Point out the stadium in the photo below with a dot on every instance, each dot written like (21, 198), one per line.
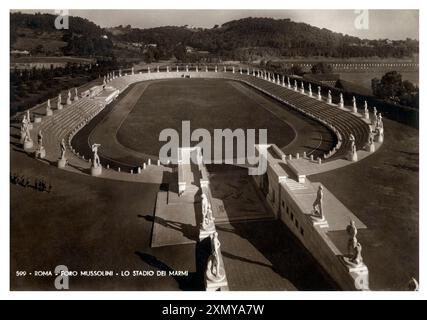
(335, 168)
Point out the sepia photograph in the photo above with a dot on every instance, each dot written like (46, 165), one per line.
(214, 150)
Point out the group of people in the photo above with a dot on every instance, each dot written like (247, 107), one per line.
(39, 184)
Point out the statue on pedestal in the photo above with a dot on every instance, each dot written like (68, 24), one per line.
(366, 111)
(329, 97)
(69, 97)
(215, 271)
(318, 204)
(58, 103)
(341, 104)
(352, 153)
(310, 93)
(96, 168)
(96, 162)
(354, 105)
(63, 149)
(62, 162)
(40, 152)
(302, 87)
(295, 85)
(76, 94)
(354, 248)
(49, 111)
(319, 93)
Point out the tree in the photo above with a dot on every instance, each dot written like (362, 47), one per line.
(321, 67)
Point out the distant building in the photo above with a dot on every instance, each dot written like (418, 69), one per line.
(329, 79)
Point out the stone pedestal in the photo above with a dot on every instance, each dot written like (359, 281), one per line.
(49, 112)
(62, 163)
(329, 101)
(28, 144)
(40, 153)
(380, 138)
(59, 106)
(352, 156)
(95, 171)
(341, 105)
(372, 147)
(318, 221)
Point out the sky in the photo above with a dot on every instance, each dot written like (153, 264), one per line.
(390, 24)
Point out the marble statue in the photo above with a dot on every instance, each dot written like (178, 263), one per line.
(289, 82)
(371, 139)
(318, 203)
(216, 68)
(366, 111)
(354, 105)
(177, 69)
(302, 87)
(76, 94)
(133, 70)
(59, 102)
(23, 128)
(40, 138)
(295, 85)
(329, 97)
(167, 68)
(341, 104)
(352, 154)
(352, 240)
(310, 93)
(69, 97)
(206, 69)
(49, 111)
(215, 271)
(205, 204)
(62, 162)
(96, 168)
(40, 152)
(63, 149)
(186, 68)
(379, 121)
(148, 70)
(319, 93)
(357, 257)
(28, 142)
(96, 162)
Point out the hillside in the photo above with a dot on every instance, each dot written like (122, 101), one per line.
(245, 39)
